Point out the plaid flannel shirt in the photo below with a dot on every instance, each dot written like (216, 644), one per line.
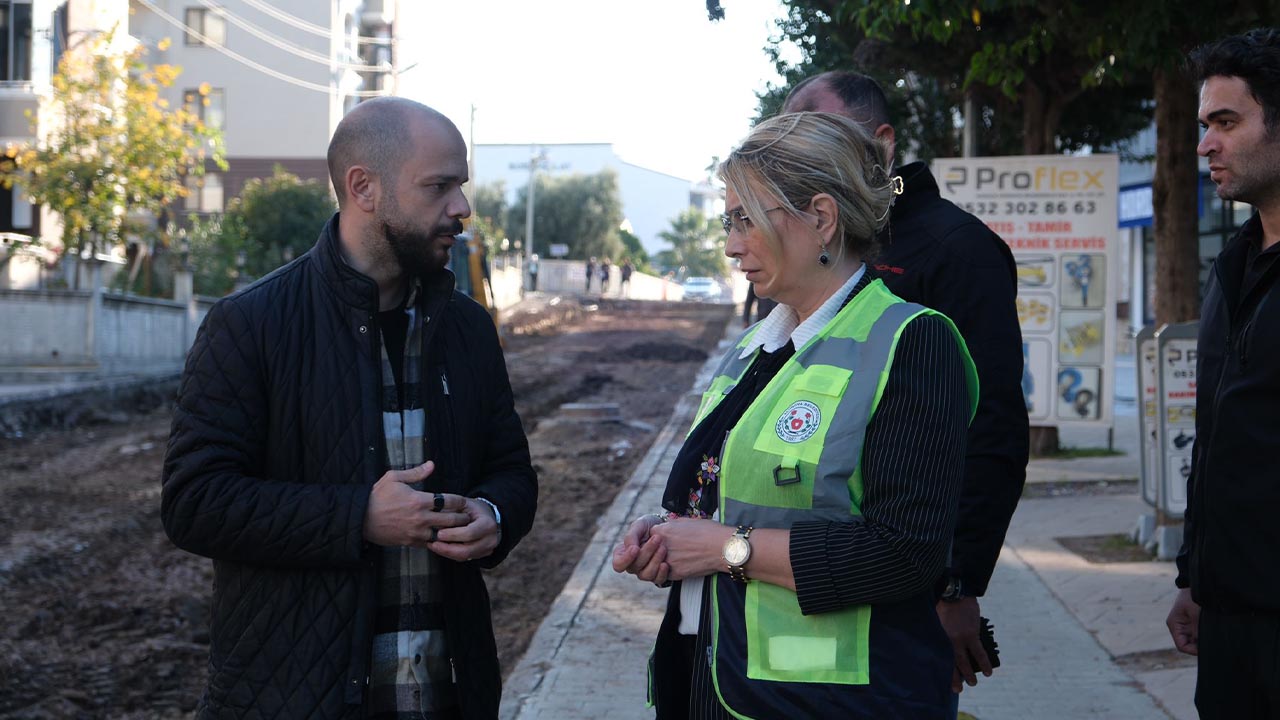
(411, 672)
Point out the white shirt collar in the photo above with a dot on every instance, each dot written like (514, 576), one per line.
(783, 323)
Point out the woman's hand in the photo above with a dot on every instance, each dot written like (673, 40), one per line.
(642, 553)
(692, 547)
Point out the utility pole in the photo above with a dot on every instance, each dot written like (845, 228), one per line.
(537, 159)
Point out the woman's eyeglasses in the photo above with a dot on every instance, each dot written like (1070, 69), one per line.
(736, 219)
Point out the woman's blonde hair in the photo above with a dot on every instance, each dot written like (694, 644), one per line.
(788, 159)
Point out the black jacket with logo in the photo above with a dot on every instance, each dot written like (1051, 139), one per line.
(1231, 546)
(277, 440)
(940, 256)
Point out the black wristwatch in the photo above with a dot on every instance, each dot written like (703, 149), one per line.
(954, 590)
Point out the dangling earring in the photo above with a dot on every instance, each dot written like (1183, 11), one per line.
(824, 259)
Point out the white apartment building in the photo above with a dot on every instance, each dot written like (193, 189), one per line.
(280, 74)
(650, 199)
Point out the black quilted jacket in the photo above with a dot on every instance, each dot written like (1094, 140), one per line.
(276, 442)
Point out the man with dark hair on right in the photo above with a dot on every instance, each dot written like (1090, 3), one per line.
(1227, 610)
(940, 256)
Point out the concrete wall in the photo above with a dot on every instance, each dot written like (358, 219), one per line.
(44, 327)
(102, 332)
(95, 331)
(570, 276)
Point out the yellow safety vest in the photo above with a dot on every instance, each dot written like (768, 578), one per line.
(795, 455)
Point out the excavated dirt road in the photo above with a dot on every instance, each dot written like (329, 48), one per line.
(104, 618)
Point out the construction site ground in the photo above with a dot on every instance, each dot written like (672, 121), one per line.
(105, 618)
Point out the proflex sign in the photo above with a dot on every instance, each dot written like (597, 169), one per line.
(1058, 216)
(1043, 178)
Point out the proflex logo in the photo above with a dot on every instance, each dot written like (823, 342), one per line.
(1043, 177)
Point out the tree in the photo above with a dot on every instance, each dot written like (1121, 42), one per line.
(273, 220)
(634, 249)
(581, 211)
(113, 145)
(1156, 40)
(490, 202)
(489, 208)
(1037, 88)
(697, 245)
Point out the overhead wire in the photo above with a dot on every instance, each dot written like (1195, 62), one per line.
(252, 64)
(308, 26)
(288, 47)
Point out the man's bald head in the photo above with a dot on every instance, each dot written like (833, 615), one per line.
(377, 135)
(851, 94)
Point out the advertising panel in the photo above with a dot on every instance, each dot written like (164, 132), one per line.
(1058, 215)
(1176, 408)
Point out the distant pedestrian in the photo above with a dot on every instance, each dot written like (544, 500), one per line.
(605, 270)
(1228, 607)
(591, 272)
(533, 272)
(346, 450)
(624, 286)
(940, 256)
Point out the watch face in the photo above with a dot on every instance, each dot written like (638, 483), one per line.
(737, 550)
(952, 591)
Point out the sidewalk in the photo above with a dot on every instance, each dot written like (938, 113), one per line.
(1061, 621)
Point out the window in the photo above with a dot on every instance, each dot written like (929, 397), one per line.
(207, 22)
(15, 41)
(204, 193)
(210, 105)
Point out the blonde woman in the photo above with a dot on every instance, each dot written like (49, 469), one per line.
(807, 516)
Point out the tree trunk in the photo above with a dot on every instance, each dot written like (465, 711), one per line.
(1041, 116)
(1033, 119)
(1173, 199)
(1044, 439)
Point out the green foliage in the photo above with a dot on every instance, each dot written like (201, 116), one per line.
(581, 211)
(697, 245)
(273, 220)
(116, 146)
(929, 54)
(489, 233)
(213, 255)
(489, 201)
(634, 249)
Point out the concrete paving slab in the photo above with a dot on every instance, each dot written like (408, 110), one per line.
(1051, 666)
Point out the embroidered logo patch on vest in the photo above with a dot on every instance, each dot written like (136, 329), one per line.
(798, 422)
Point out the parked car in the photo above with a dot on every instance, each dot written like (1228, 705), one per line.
(701, 289)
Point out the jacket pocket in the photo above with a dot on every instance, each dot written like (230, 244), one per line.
(786, 646)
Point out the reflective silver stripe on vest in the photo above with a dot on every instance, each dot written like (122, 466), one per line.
(731, 364)
(842, 449)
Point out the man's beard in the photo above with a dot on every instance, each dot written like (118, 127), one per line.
(419, 253)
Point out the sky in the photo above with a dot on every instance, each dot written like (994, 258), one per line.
(656, 78)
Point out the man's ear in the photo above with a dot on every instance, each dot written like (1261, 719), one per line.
(824, 207)
(887, 135)
(362, 188)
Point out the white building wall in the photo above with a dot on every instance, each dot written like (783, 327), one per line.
(650, 199)
(265, 115)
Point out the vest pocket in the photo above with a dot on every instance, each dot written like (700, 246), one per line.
(799, 419)
(786, 646)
